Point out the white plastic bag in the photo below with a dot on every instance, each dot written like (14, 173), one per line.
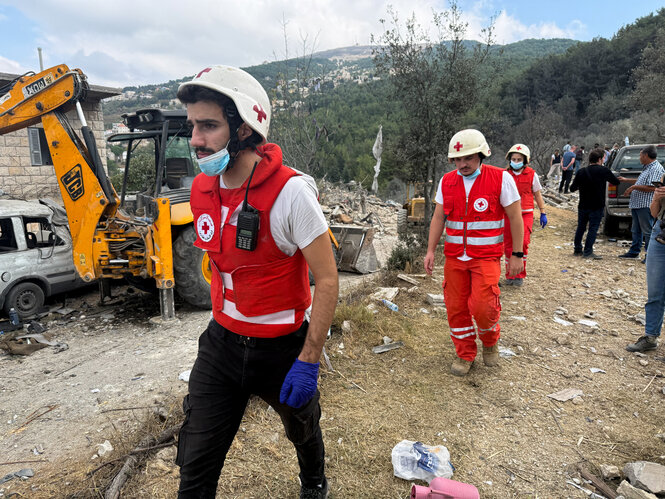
(417, 461)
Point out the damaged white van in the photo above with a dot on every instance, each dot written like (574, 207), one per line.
(35, 255)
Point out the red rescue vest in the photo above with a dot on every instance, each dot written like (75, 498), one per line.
(524, 183)
(262, 293)
(474, 224)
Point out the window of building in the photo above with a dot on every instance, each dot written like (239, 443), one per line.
(39, 152)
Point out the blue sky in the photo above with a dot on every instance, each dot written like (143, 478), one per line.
(137, 42)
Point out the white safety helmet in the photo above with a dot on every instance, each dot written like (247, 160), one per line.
(466, 142)
(242, 88)
(522, 149)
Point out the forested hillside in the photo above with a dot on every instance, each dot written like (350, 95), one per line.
(329, 106)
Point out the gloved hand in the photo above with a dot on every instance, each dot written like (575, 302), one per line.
(543, 220)
(300, 384)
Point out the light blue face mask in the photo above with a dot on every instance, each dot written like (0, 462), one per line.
(215, 164)
(470, 176)
(516, 166)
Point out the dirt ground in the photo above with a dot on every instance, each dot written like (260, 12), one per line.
(504, 434)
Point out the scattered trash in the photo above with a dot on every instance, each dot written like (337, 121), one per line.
(585, 322)
(641, 318)
(184, 376)
(561, 321)
(408, 279)
(424, 311)
(589, 493)
(390, 305)
(566, 394)
(24, 473)
(596, 370)
(518, 317)
(385, 294)
(387, 347)
(95, 390)
(444, 487)
(346, 326)
(564, 270)
(105, 448)
(417, 461)
(506, 353)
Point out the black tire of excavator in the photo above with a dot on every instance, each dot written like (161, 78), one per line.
(401, 222)
(190, 284)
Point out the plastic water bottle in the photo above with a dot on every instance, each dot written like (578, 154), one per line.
(13, 317)
(390, 305)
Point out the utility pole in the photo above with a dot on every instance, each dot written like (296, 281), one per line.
(41, 63)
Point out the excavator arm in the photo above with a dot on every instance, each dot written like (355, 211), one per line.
(107, 243)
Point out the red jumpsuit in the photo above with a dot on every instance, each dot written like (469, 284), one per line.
(474, 229)
(524, 183)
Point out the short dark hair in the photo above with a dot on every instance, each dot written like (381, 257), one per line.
(650, 151)
(595, 155)
(190, 94)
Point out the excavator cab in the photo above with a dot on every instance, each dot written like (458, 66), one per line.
(162, 139)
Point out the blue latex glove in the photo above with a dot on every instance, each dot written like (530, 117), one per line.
(543, 220)
(300, 384)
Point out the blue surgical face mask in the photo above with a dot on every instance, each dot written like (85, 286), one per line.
(215, 164)
(470, 176)
(516, 166)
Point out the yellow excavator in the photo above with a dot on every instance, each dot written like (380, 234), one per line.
(149, 238)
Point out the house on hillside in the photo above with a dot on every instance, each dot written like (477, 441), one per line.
(26, 169)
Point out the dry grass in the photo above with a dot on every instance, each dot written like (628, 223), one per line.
(504, 434)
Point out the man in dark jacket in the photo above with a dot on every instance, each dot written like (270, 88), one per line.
(591, 183)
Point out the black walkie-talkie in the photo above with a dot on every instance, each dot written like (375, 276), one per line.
(247, 227)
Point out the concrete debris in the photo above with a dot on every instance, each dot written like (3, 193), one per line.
(566, 394)
(591, 314)
(646, 475)
(630, 492)
(561, 311)
(578, 400)
(408, 279)
(643, 362)
(561, 321)
(607, 293)
(641, 318)
(388, 347)
(385, 294)
(435, 299)
(609, 471)
(585, 322)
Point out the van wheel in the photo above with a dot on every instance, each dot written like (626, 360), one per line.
(191, 269)
(27, 298)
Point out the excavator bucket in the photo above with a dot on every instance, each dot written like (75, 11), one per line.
(354, 251)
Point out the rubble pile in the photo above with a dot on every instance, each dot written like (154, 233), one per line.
(351, 204)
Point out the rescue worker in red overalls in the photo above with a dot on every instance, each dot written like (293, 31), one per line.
(528, 185)
(262, 227)
(471, 201)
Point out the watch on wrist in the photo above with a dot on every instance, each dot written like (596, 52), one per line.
(518, 254)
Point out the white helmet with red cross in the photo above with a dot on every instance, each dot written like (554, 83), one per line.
(242, 88)
(466, 142)
(522, 149)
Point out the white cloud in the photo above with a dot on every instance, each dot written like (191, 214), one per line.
(135, 42)
(12, 67)
(509, 29)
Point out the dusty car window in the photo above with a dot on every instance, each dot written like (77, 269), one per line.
(39, 233)
(7, 239)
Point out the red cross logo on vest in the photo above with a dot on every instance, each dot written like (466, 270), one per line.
(206, 70)
(260, 113)
(458, 146)
(205, 227)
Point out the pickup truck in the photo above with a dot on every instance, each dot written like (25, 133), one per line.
(626, 164)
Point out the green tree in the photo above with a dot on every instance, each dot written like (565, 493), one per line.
(434, 83)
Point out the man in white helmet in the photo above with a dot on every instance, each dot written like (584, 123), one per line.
(472, 201)
(262, 226)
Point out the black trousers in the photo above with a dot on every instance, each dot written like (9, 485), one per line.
(566, 177)
(228, 369)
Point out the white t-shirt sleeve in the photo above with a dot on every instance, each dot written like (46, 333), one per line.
(296, 218)
(535, 185)
(509, 192)
(439, 197)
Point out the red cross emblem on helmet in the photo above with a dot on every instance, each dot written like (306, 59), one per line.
(519, 148)
(206, 70)
(458, 146)
(260, 113)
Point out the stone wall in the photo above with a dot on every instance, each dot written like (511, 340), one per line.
(20, 180)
